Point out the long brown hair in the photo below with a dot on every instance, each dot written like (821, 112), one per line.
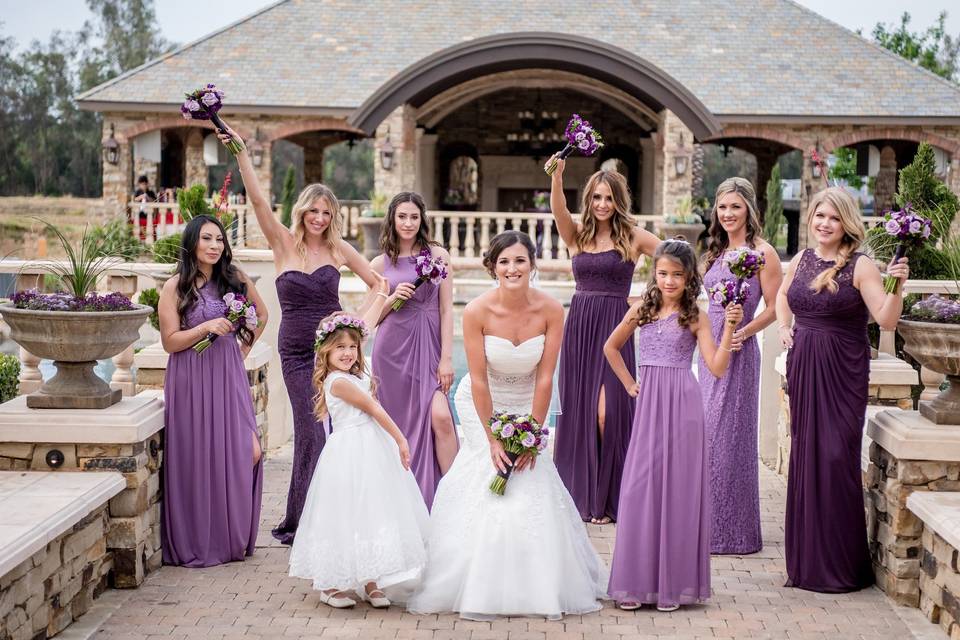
(390, 239)
(331, 235)
(322, 369)
(852, 234)
(621, 224)
(719, 241)
(681, 252)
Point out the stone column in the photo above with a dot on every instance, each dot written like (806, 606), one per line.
(426, 178)
(400, 128)
(646, 202)
(195, 171)
(677, 140)
(809, 185)
(766, 159)
(117, 178)
(886, 183)
(313, 160)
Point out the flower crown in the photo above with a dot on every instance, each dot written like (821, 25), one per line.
(343, 321)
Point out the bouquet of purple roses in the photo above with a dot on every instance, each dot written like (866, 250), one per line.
(239, 309)
(203, 104)
(519, 434)
(909, 230)
(427, 268)
(580, 137)
(726, 292)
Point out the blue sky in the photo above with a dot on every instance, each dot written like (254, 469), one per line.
(183, 21)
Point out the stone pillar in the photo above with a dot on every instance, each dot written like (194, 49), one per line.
(313, 160)
(195, 170)
(124, 438)
(766, 159)
(809, 185)
(400, 127)
(117, 178)
(265, 172)
(648, 168)
(886, 183)
(677, 140)
(426, 178)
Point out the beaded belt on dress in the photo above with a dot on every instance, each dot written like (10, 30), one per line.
(505, 379)
(600, 294)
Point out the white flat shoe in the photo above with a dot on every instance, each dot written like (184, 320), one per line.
(668, 607)
(377, 602)
(337, 602)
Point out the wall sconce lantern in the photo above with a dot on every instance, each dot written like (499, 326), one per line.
(386, 153)
(256, 150)
(111, 148)
(681, 159)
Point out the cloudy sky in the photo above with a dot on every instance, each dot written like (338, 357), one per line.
(183, 21)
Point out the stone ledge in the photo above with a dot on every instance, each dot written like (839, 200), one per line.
(38, 507)
(939, 511)
(884, 370)
(154, 357)
(133, 419)
(909, 436)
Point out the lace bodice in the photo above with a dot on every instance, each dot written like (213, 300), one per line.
(209, 305)
(664, 343)
(344, 415)
(843, 311)
(511, 372)
(603, 273)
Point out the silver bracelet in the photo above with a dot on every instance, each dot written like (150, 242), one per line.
(381, 293)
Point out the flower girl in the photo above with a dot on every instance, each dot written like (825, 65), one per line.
(662, 550)
(364, 521)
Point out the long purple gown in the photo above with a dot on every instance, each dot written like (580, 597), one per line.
(305, 299)
(731, 406)
(590, 469)
(406, 355)
(662, 551)
(828, 371)
(211, 489)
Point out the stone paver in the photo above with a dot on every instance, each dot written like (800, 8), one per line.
(256, 599)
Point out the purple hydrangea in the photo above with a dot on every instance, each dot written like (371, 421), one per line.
(33, 299)
(936, 309)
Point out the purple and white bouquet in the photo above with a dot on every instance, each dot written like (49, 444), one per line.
(239, 311)
(580, 137)
(743, 264)
(909, 230)
(726, 292)
(203, 104)
(427, 268)
(519, 434)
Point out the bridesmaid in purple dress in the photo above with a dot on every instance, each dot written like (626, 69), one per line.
(593, 429)
(662, 551)
(731, 403)
(823, 307)
(413, 349)
(212, 476)
(308, 257)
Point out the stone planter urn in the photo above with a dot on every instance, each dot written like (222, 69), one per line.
(689, 231)
(74, 340)
(936, 345)
(370, 232)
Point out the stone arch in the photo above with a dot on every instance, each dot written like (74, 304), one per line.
(314, 124)
(891, 133)
(425, 78)
(170, 122)
(785, 138)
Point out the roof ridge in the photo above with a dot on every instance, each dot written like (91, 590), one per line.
(149, 63)
(874, 45)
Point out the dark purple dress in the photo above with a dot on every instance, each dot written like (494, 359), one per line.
(211, 489)
(731, 404)
(828, 372)
(590, 470)
(305, 299)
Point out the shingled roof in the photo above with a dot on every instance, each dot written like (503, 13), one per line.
(739, 57)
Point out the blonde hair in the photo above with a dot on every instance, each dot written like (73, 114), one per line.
(322, 369)
(719, 241)
(621, 224)
(332, 234)
(853, 234)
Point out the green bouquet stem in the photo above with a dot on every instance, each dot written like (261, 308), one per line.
(499, 484)
(234, 145)
(399, 302)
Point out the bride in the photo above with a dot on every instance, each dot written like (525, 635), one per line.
(526, 552)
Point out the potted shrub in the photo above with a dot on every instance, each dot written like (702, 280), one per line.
(75, 328)
(683, 222)
(370, 222)
(931, 334)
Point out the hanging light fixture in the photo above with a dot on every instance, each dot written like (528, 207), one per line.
(111, 148)
(256, 149)
(387, 152)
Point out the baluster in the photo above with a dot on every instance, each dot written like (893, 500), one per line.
(887, 342)
(240, 223)
(123, 377)
(562, 252)
(517, 220)
(437, 221)
(501, 224)
(548, 239)
(161, 216)
(484, 236)
(469, 244)
(30, 376)
(931, 381)
(454, 236)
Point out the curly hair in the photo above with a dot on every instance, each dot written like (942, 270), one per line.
(681, 252)
(322, 367)
(719, 241)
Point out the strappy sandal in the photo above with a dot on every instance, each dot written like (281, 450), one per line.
(629, 605)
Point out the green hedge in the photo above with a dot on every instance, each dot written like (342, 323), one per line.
(9, 377)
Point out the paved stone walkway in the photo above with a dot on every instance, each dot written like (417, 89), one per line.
(256, 599)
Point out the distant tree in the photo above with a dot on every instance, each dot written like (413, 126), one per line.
(845, 167)
(932, 49)
(288, 196)
(348, 170)
(773, 217)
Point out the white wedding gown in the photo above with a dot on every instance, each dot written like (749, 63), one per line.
(523, 553)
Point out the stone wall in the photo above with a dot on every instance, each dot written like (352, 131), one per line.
(940, 583)
(58, 584)
(133, 531)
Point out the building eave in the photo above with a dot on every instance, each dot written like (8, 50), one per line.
(162, 107)
(799, 119)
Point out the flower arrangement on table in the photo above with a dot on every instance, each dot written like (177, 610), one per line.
(582, 137)
(239, 311)
(427, 268)
(519, 434)
(203, 104)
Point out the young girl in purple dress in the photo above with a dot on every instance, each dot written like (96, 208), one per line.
(413, 351)
(662, 550)
(212, 473)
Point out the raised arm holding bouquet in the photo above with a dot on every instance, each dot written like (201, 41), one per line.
(203, 104)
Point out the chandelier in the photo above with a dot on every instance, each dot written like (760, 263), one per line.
(536, 129)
